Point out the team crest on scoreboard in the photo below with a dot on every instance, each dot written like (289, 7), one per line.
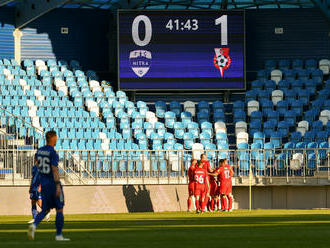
(222, 59)
(140, 61)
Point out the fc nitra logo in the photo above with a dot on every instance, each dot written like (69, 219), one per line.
(140, 61)
(221, 59)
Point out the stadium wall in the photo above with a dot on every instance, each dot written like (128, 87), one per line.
(6, 33)
(158, 198)
(305, 35)
(86, 40)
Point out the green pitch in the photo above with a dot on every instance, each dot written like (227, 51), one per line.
(239, 229)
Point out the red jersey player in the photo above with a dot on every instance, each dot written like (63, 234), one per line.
(202, 186)
(225, 172)
(191, 185)
(212, 188)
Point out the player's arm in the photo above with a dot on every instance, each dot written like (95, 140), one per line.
(231, 171)
(208, 186)
(57, 180)
(36, 163)
(214, 174)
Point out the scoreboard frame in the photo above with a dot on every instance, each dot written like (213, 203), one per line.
(203, 90)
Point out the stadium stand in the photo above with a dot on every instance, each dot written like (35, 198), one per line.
(287, 106)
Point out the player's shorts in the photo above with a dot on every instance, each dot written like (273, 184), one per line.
(225, 189)
(200, 191)
(49, 199)
(35, 196)
(213, 189)
(191, 188)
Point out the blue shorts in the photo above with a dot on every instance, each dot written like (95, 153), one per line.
(49, 199)
(35, 196)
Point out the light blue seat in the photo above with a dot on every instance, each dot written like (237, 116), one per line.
(207, 127)
(160, 109)
(186, 117)
(255, 149)
(276, 139)
(221, 137)
(259, 137)
(188, 140)
(170, 119)
(300, 147)
(205, 138)
(179, 130)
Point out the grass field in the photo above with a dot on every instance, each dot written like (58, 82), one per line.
(241, 229)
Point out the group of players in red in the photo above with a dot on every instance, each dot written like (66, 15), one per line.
(207, 185)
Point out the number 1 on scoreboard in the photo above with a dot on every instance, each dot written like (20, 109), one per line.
(224, 34)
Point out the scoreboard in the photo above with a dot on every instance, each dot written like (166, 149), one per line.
(181, 50)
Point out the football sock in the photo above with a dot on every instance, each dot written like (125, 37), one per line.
(230, 202)
(59, 222)
(39, 217)
(223, 203)
(212, 204)
(197, 204)
(189, 203)
(206, 200)
(34, 211)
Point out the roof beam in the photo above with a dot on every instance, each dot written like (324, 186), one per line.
(4, 2)
(29, 10)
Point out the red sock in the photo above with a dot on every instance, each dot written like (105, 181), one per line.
(189, 203)
(212, 204)
(204, 203)
(223, 203)
(197, 204)
(230, 202)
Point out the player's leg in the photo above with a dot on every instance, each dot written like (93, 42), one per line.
(204, 201)
(34, 208)
(191, 193)
(212, 203)
(223, 202)
(197, 202)
(230, 201)
(59, 222)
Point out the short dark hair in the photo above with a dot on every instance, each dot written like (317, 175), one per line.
(49, 135)
(203, 154)
(221, 161)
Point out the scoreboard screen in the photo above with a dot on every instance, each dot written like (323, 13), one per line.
(181, 50)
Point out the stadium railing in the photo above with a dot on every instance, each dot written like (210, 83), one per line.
(167, 166)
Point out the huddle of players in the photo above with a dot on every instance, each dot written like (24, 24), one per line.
(207, 185)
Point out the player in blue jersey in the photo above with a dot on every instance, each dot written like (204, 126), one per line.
(51, 189)
(34, 191)
(35, 195)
